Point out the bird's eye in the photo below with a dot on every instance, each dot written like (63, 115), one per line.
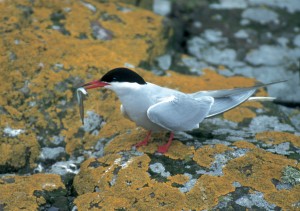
(114, 79)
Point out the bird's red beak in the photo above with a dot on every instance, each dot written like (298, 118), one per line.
(95, 84)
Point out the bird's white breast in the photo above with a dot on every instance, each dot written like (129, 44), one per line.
(136, 99)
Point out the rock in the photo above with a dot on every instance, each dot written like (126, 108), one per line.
(255, 199)
(32, 192)
(246, 158)
(12, 132)
(19, 152)
(227, 4)
(159, 169)
(164, 61)
(297, 41)
(261, 15)
(268, 55)
(52, 153)
(66, 167)
(162, 7)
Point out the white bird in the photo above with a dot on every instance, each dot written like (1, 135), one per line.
(157, 108)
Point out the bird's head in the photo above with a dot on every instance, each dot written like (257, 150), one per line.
(116, 76)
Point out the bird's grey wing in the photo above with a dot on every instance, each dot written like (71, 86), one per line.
(228, 98)
(180, 112)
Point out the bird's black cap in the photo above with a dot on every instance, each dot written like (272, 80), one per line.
(122, 74)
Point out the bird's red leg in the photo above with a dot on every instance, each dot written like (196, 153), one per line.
(145, 141)
(164, 148)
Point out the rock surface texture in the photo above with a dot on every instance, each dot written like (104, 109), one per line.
(246, 158)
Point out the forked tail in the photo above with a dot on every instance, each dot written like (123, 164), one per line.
(227, 99)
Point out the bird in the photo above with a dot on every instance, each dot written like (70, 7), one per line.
(156, 108)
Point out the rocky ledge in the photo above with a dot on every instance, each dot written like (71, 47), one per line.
(246, 158)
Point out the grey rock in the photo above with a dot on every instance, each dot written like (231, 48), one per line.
(296, 40)
(241, 34)
(89, 6)
(214, 36)
(66, 167)
(268, 55)
(291, 6)
(229, 4)
(266, 123)
(189, 184)
(255, 199)
(282, 149)
(291, 175)
(57, 140)
(10, 132)
(159, 169)
(162, 7)
(48, 153)
(260, 15)
(92, 123)
(164, 61)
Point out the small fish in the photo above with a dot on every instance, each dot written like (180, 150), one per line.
(81, 93)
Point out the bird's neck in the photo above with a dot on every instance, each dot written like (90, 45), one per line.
(125, 88)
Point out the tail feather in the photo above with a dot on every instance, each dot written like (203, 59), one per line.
(263, 99)
(227, 99)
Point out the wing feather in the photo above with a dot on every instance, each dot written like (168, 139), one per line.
(180, 112)
(227, 99)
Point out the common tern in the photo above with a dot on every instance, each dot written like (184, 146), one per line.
(157, 108)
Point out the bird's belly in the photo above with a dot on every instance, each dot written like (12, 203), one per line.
(138, 114)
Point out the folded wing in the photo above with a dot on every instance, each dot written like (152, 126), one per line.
(180, 112)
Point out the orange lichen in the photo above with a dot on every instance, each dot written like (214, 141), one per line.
(178, 179)
(286, 199)
(244, 145)
(13, 112)
(123, 141)
(96, 173)
(204, 156)
(206, 192)
(19, 192)
(34, 52)
(253, 104)
(16, 151)
(275, 137)
(180, 151)
(257, 169)
(39, 51)
(239, 114)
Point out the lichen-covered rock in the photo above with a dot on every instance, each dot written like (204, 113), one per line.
(246, 158)
(48, 48)
(133, 181)
(18, 153)
(223, 158)
(32, 192)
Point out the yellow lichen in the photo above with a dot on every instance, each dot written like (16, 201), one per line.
(178, 150)
(257, 168)
(244, 145)
(16, 152)
(285, 199)
(275, 137)
(33, 51)
(204, 156)
(96, 172)
(19, 193)
(253, 104)
(178, 179)
(239, 114)
(204, 195)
